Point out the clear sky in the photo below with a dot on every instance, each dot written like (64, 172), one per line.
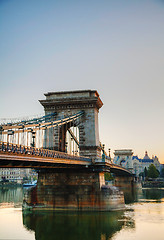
(113, 46)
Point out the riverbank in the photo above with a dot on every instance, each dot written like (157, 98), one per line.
(153, 184)
(10, 184)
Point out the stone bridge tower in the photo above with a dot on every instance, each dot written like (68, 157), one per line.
(68, 103)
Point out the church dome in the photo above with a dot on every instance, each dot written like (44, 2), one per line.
(146, 156)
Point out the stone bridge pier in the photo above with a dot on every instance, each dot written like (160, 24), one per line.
(124, 182)
(128, 186)
(81, 189)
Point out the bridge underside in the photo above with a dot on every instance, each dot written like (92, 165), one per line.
(36, 162)
(18, 161)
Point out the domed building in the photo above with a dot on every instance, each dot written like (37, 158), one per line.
(137, 165)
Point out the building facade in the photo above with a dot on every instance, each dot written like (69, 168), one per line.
(16, 174)
(137, 165)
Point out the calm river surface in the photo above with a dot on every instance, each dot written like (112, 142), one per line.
(143, 219)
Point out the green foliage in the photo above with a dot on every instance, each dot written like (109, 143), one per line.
(162, 173)
(35, 178)
(108, 177)
(145, 172)
(25, 178)
(152, 172)
(141, 174)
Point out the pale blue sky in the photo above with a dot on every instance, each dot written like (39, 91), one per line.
(115, 47)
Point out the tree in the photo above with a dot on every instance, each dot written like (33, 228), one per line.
(108, 177)
(152, 172)
(145, 172)
(141, 174)
(162, 173)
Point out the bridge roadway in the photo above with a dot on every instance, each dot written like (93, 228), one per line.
(13, 155)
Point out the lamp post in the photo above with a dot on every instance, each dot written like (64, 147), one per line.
(109, 153)
(9, 133)
(103, 155)
(33, 139)
(66, 146)
(1, 130)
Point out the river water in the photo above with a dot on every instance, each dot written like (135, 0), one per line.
(143, 219)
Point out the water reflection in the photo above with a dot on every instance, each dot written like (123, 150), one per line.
(130, 196)
(139, 221)
(11, 195)
(144, 194)
(153, 194)
(97, 226)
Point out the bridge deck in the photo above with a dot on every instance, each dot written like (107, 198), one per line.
(12, 155)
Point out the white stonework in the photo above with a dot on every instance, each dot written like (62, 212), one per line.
(123, 157)
(126, 159)
(140, 164)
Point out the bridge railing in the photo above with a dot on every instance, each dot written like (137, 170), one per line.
(123, 168)
(40, 152)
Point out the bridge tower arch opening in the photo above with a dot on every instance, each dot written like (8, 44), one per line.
(72, 140)
(68, 138)
(69, 103)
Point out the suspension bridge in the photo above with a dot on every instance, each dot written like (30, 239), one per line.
(63, 144)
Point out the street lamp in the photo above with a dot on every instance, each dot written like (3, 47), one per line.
(66, 145)
(109, 152)
(33, 139)
(103, 155)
